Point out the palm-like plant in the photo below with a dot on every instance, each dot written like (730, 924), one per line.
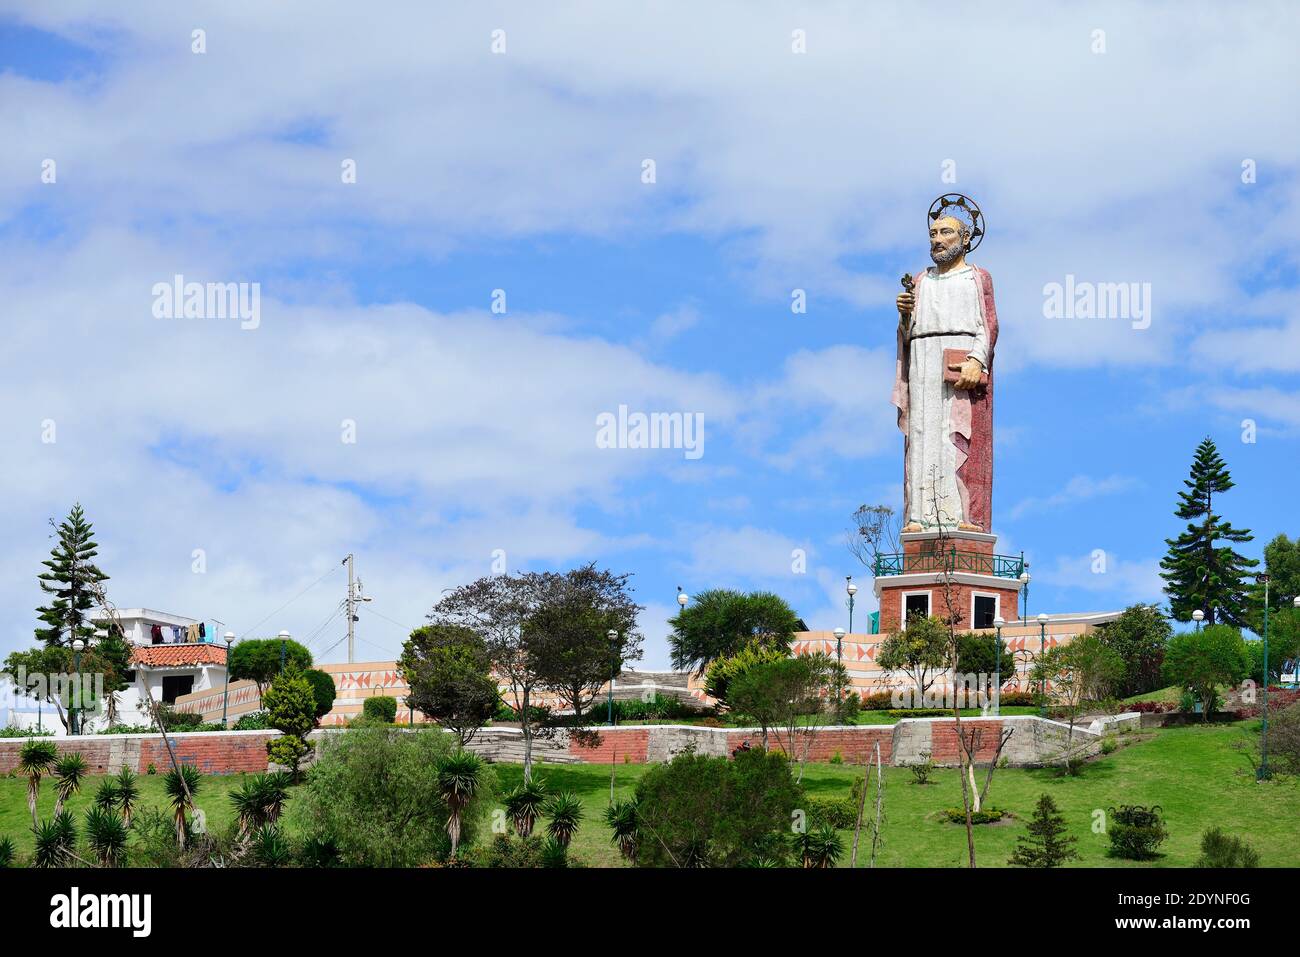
(622, 820)
(565, 813)
(819, 847)
(47, 849)
(459, 776)
(181, 784)
(259, 800)
(270, 848)
(275, 791)
(6, 852)
(106, 835)
(70, 771)
(524, 804)
(128, 791)
(35, 760)
(106, 795)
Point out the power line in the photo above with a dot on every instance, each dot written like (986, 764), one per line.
(288, 603)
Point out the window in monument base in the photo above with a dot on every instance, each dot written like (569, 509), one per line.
(915, 603)
(984, 608)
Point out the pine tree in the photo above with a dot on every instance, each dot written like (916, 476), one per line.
(1046, 844)
(70, 573)
(1199, 573)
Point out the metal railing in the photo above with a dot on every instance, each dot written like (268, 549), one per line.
(950, 560)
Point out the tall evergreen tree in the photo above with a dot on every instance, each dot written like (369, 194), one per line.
(1199, 571)
(71, 570)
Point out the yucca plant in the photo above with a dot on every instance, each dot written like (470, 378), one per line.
(48, 847)
(128, 792)
(459, 776)
(106, 835)
(7, 852)
(554, 854)
(106, 795)
(181, 784)
(564, 811)
(249, 803)
(69, 771)
(270, 848)
(524, 804)
(820, 847)
(275, 791)
(622, 819)
(35, 759)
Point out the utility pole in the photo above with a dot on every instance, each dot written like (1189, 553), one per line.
(354, 596)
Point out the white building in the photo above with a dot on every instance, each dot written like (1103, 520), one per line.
(172, 656)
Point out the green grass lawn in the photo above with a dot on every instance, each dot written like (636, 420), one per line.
(1192, 772)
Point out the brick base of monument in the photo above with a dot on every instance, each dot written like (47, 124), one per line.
(944, 574)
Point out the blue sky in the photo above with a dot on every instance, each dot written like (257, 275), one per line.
(1111, 161)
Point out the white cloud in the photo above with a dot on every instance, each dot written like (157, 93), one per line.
(1080, 488)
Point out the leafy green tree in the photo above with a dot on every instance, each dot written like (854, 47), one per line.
(373, 792)
(1199, 572)
(1077, 674)
(568, 635)
(722, 671)
(322, 686)
(70, 571)
(783, 694)
(1283, 645)
(35, 760)
(1046, 844)
(698, 811)
(1139, 637)
(720, 622)
(448, 669)
(1201, 661)
(258, 660)
(978, 655)
(291, 704)
(1282, 563)
(920, 651)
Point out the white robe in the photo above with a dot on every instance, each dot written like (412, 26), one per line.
(946, 303)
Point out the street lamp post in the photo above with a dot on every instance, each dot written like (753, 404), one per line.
(998, 622)
(1042, 652)
(284, 642)
(1198, 616)
(225, 694)
(76, 665)
(1295, 667)
(839, 666)
(612, 635)
(852, 589)
(1024, 602)
(1262, 774)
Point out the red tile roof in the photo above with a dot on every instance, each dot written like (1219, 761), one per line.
(177, 656)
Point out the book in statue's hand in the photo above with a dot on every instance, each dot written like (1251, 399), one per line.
(957, 357)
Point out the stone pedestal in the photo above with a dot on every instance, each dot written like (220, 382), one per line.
(982, 582)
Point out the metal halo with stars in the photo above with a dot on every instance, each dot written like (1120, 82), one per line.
(961, 201)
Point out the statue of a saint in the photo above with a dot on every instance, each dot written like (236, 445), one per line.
(945, 402)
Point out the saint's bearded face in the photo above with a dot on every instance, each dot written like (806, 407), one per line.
(948, 237)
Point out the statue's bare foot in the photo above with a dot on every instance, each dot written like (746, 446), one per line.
(912, 527)
(968, 527)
